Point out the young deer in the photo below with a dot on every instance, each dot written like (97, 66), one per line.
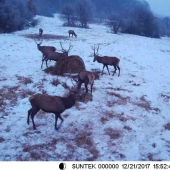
(55, 56)
(87, 78)
(106, 60)
(71, 32)
(40, 32)
(50, 104)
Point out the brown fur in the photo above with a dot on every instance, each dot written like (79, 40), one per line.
(86, 77)
(71, 32)
(50, 104)
(71, 64)
(40, 31)
(107, 60)
(55, 56)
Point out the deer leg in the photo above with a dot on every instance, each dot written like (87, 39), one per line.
(115, 70)
(46, 62)
(56, 118)
(29, 113)
(61, 118)
(34, 111)
(79, 84)
(107, 69)
(103, 68)
(119, 70)
(86, 88)
(42, 62)
(91, 87)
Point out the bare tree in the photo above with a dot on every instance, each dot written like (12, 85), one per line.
(114, 23)
(84, 12)
(67, 15)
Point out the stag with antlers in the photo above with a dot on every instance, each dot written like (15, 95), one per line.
(44, 49)
(106, 60)
(55, 56)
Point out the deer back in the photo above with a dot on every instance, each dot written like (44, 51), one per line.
(108, 60)
(73, 64)
(51, 55)
(47, 103)
(87, 75)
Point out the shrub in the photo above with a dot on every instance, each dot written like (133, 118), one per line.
(14, 16)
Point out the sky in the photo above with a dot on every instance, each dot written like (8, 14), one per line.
(161, 7)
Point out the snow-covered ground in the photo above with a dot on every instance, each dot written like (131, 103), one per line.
(128, 118)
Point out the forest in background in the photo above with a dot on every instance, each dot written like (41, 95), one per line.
(126, 16)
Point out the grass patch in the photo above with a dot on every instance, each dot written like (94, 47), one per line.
(167, 126)
(46, 37)
(144, 104)
(24, 80)
(55, 82)
(2, 139)
(113, 133)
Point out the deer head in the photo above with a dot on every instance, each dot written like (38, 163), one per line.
(66, 51)
(95, 50)
(38, 44)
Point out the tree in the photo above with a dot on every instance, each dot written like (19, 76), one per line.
(84, 12)
(114, 23)
(14, 16)
(31, 7)
(67, 15)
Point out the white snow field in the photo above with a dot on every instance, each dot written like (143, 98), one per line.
(128, 118)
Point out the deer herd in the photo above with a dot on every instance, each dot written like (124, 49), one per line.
(67, 64)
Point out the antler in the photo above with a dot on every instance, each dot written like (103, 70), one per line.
(38, 43)
(63, 50)
(95, 49)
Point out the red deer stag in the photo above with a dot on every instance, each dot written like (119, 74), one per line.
(71, 32)
(71, 64)
(44, 49)
(51, 104)
(55, 56)
(40, 32)
(106, 60)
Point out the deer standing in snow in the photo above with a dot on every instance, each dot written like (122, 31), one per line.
(106, 60)
(44, 49)
(40, 32)
(71, 32)
(51, 104)
(55, 56)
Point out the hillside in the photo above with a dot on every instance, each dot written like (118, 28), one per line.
(128, 118)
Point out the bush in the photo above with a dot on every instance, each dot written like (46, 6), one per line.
(14, 16)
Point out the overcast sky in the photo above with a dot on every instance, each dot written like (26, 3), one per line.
(161, 7)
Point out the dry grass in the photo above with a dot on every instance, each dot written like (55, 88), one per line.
(84, 140)
(49, 70)
(46, 37)
(143, 103)
(24, 93)
(8, 94)
(107, 116)
(127, 128)
(113, 133)
(120, 100)
(2, 139)
(118, 89)
(134, 84)
(166, 97)
(167, 126)
(24, 80)
(55, 82)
